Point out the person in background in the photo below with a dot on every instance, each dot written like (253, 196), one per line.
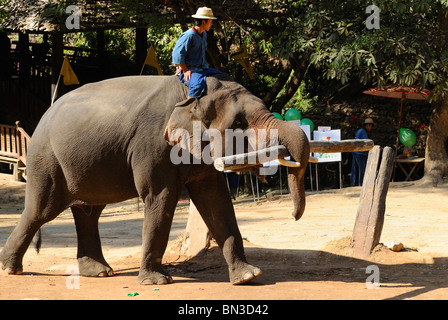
(359, 159)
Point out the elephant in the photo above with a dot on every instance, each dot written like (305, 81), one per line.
(109, 141)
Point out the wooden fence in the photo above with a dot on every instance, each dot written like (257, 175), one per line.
(14, 142)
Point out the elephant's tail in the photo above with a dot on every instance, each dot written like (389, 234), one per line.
(37, 240)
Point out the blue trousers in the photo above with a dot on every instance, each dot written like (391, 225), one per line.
(197, 82)
(359, 162)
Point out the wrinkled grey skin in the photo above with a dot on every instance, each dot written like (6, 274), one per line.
(107, 142)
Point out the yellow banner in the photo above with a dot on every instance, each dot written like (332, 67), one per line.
(151, 60)
(243, 59)
(68, 73)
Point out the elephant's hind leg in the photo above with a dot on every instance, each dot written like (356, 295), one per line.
(18, 242)
(41, 206)
(90, 255)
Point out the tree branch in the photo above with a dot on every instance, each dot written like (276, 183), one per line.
(180, 16)
(292, 86)
(280, 83)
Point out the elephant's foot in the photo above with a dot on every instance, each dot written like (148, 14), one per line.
(153, 277)
(11, 270)
(9, 266)
(243, 273)
(89, 267)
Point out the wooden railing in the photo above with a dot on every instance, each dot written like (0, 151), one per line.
(8, 144)
(23, 141)
(14, 142)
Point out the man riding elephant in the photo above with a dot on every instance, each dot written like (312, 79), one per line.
(189, 54)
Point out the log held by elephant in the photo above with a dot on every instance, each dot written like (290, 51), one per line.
(240, 161)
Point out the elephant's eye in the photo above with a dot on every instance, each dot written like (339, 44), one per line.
(239, 123)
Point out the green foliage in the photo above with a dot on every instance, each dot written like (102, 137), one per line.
(4, 14)
(301, 99)
(407, 49)
(330, 37)
(164, 38)
(116, 41)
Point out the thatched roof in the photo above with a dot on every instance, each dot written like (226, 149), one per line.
(50, 16)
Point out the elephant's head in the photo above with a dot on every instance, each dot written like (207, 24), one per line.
(228, 105)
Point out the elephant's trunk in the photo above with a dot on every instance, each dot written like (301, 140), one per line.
(294, 139)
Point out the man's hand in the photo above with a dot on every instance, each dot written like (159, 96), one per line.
(187, 75)
(187, 72)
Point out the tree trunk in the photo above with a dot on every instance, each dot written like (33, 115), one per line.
(291, 86)
(436, 158)
(436, 155)
(215, 58)
(280, 83)
(180, 16)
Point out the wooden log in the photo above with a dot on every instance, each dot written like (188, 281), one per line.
(254, 158)
(372, 202)
(348, 145)
(197, 236)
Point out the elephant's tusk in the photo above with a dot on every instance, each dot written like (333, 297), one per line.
(288, 163)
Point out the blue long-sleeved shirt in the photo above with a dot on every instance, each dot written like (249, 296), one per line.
(190, 50)
(361, 134)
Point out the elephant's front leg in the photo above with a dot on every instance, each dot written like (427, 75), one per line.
(159, 212)
(212, 199)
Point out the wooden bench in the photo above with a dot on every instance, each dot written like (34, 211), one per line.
(14, 143)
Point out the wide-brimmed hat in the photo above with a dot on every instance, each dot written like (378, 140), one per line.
(369, 121)
(204, 13)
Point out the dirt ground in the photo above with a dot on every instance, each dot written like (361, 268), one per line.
(306, 259)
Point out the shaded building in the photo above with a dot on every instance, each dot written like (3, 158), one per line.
(29, 70)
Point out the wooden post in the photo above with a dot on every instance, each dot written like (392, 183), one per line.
(372, 202)
(141, 46)
(101, 58)
(24, 58)
(57, 58)
(197, 236)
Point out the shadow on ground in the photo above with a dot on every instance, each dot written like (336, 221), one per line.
(281, 266)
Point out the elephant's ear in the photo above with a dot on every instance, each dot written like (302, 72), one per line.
(181, 119)
(186, 102)
(191, 105)
(199, 109)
